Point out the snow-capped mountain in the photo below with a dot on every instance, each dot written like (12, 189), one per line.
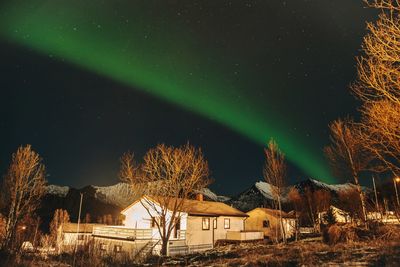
(258, 195)
(120, 194)
(261, 195)
(210, 195)
(113, 198)
(58, 190)
(318, 185)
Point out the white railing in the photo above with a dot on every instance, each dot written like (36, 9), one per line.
(121, 232)
(181, 234)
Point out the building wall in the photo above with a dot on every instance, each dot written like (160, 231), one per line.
(255, 223)
(70, 240)
(195, 235)
(107, 246)
(236, 224)
(138, 217)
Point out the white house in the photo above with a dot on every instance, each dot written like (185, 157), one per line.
(70, 237)
(200, 224)
(340, 216)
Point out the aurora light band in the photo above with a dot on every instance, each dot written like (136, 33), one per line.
(168, 65)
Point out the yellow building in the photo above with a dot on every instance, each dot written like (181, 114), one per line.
(267, 221)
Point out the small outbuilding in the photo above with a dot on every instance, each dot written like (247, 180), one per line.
(267, 221)
(340, 216)
(69, 236)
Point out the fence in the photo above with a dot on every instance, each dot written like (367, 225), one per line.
(122, 233)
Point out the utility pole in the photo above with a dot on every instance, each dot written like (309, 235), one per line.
(395, 181)
(77, 229)
(376, 194)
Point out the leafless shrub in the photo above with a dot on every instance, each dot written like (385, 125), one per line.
(388, 232)
(339, 234)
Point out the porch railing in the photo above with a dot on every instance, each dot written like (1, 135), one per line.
(121, 232)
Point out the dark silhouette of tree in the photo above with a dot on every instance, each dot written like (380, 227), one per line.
(22, 189)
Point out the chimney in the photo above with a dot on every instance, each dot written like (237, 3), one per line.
(199, 197)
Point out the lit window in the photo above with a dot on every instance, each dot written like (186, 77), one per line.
(215, 223)
(206, 224)
(266, 224)
(227, 223)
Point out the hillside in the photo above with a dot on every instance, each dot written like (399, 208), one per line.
(260, 194)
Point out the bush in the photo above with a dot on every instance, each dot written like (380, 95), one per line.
(388, 232)
(341, 234)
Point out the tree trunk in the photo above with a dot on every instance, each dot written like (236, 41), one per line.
(9, 235)
(164, 247)
(281, 220)
(360, 192)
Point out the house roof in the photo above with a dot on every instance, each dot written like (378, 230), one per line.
(83, 227)
(197, 207)
(275, 213)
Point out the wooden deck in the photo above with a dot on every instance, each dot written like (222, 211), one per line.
(122, 232)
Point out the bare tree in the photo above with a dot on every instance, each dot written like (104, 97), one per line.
(23, 188)
(60, 217)
(309, 203)
(348, 155)
(87, 218)
(381, 122)
(168, 176)
(2, 227)
(378, 67)
(378, 85)
(274, 174)
(349, 201)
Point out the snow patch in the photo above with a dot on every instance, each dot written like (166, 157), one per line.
(211, 195)
(265, 189)
(120, 194)
(57, 190)
(336, 187)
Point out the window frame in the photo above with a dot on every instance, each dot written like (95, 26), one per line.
(215, 223)
(205, 219)
(266, 222)
(229, 223)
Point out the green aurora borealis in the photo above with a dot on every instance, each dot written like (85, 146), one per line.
(159, 57)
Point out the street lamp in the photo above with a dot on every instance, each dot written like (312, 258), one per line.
(395, 181)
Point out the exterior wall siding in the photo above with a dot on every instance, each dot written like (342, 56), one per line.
(138, 217)
(257, 217)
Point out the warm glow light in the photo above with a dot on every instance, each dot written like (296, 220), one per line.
(397, 179)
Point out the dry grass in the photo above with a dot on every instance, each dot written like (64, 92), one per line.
(363, 250)
(339, 234)
(315, 253)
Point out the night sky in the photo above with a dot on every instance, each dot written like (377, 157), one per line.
(85, 81)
